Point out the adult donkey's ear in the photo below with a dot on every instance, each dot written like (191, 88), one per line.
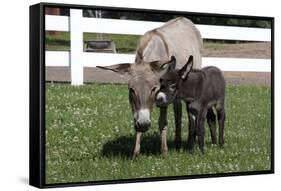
(184, 71)
(161, 65)
(118, 68)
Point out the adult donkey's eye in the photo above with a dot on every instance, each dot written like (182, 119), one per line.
(132, 91)
(153, 90)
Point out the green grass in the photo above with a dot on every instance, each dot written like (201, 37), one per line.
(89, 135)
(123, 43)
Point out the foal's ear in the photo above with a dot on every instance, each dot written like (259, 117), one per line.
(118, 68)
(184, 71)
(172, 64)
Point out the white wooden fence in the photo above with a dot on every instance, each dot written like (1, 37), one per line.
(76, 24)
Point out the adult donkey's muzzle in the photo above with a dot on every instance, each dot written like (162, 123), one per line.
(142, 120)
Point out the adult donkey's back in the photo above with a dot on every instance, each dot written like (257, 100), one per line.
(178, 37)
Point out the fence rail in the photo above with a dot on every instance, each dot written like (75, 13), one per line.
(76, 24)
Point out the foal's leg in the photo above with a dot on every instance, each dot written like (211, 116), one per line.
(136, 148)
(191, 129)
(221, 120)
(200, 129)
(211, 119)
(178, 117)
(162, 122)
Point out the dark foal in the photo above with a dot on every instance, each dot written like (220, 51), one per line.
(202, 90)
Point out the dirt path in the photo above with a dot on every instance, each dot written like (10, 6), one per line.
(243, 50)
(95, 75)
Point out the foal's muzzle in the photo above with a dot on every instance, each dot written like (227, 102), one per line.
(160, 99)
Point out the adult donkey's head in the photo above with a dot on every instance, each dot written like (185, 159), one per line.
(143, 83)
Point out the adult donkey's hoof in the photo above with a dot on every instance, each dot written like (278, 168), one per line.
(135, 153)
(136, 148)
(134, 156)
(164, 153)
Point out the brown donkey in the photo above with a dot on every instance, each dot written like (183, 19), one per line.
(201, 90)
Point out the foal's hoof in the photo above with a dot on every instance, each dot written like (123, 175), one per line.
(190, 151)
(214, 142)
(202, 151)
(178, 145)
(221, 143)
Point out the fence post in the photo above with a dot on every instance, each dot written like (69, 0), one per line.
(76, 46)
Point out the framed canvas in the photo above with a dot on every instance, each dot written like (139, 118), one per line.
(122, 95)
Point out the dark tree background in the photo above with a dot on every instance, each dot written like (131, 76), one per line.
(197, 19)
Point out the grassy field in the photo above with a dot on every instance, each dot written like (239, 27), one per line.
(123, 43)
(89, 135)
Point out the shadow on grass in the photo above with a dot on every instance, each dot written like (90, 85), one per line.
(122, 146)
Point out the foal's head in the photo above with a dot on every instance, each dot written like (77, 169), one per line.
(171, 82)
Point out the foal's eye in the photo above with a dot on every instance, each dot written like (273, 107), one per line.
(173, 86)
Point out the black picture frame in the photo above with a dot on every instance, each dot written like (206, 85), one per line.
(37, 96)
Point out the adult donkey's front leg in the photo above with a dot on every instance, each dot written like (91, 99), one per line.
(162, 122)
(178, 120)
(136, 148)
